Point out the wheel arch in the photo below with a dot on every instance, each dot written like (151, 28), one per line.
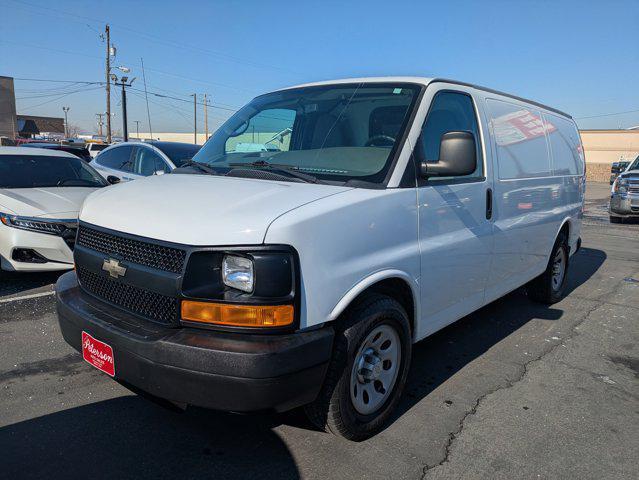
(566, 225)
(395, 283)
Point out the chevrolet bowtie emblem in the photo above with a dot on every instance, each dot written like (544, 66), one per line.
(114, 268)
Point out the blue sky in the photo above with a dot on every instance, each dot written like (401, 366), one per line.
(581, 57)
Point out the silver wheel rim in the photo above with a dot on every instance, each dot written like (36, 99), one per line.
(558, 269)
(375, 369)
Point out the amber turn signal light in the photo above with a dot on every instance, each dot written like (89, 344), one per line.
(237, 315)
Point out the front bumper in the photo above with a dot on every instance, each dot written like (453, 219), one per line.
(224, 371)
(51, 247)
(626, 205)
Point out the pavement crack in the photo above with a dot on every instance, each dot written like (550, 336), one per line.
(525, 368)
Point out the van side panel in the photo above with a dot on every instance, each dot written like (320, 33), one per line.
(568, 162)
(533, 197)
(344, 239)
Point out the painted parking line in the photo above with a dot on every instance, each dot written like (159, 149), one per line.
(26, 297)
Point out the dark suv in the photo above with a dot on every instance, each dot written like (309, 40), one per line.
(78, 151)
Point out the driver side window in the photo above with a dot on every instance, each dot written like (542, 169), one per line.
(449, 112)
(268, 131)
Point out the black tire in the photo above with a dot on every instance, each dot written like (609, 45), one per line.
(616, 219)
(541, 289)
(333, 410)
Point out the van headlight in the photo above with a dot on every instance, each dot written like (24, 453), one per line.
(238, 272)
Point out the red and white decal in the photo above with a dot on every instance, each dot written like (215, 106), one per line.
(98, 354)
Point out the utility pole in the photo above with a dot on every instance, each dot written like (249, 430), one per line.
(146, 97)
(66, 122)
(206, 119)
(123, 83)
(108, 83)
(194, 95)
(137, 128)
(100, 122)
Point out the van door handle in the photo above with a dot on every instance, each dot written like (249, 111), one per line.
(489, 204)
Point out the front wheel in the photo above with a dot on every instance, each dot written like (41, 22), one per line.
(550, 286)
(368, 370)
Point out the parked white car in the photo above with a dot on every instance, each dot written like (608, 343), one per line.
(133, 160)
(41, 192)
(303, 275)
(95, 148)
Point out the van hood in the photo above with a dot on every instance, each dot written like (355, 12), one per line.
(52, 202)
(199, 209)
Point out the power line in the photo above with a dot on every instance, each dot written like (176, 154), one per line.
(51, 81)
(55, 94)
(607, 114)
(161, 72)
(158, 39)
(220, 106)
(61, 97)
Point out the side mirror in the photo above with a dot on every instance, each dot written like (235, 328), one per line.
(457, 156)
(158, 172)
(112, 179)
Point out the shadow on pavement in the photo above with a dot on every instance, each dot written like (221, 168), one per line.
(440, 356)
(129, 437)
(12, 283)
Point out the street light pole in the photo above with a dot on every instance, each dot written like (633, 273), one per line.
(137, 128)
(194, 95)
(108, 83)
(125, 127)
(123, 83)
(100, 123)
(206, 119)
(66, 122)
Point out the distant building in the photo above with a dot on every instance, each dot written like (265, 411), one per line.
(8, 126)
(602, 147)
(26, 126)
(29, 125)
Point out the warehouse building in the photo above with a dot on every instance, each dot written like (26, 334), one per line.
(603, 147)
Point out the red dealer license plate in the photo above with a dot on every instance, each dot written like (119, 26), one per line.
(98, 354)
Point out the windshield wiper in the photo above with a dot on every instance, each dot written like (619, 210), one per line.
(82, 182)
(200, 166)
(279, 167)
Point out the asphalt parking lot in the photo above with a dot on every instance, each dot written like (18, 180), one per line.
(516, 390)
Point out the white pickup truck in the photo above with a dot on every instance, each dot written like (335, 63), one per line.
(303, 274)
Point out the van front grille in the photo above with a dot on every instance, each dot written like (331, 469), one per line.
(152, 255)
(151, 305)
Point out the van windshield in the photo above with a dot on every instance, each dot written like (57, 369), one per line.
(334, 133)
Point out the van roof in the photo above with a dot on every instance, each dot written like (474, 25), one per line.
(426, 81)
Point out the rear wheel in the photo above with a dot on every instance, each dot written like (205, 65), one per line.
(549, 287)
(368, 370)
(616, 219)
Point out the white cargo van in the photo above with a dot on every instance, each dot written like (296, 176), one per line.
(303, 274)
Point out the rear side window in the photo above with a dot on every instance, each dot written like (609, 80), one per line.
(518, 132)
(118, 158)
(565, 147)
(147, 162)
